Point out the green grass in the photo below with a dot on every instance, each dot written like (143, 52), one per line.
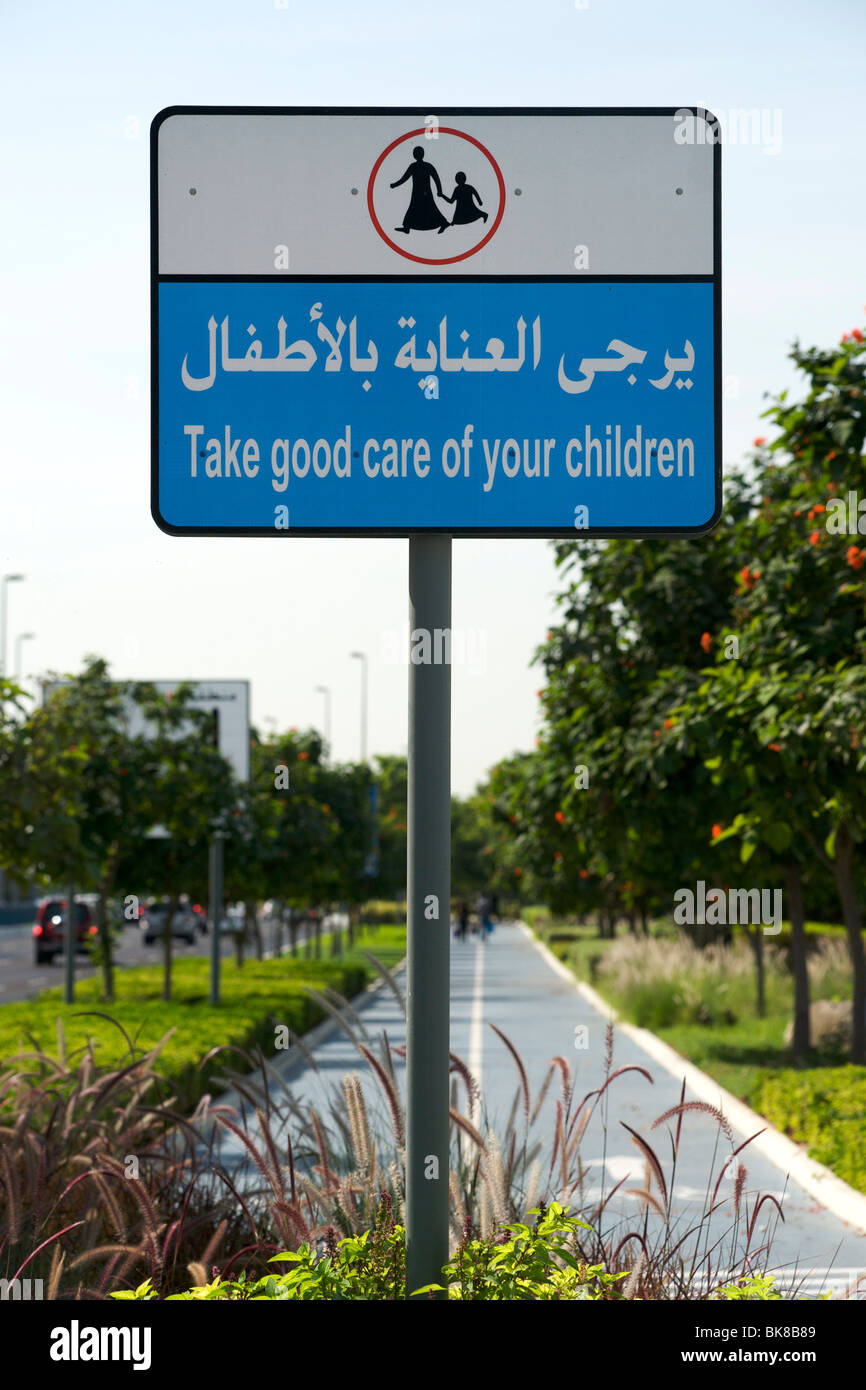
(255, 1000)
(713, 1022)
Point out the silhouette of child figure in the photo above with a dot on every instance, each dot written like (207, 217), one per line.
(463, 198)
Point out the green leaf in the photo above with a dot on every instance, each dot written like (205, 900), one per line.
(778, 836)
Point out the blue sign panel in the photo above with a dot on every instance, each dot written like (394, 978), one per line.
(466, 404)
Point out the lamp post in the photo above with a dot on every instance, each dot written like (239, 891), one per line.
(362, 657)
(19, 640)
(326, 691)
(7, 579)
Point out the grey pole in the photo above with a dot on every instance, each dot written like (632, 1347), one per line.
(7, 579)
(362, 657)
(325, 690)
(215, 903)
(69, 972)
(429, 915)
(19, 641)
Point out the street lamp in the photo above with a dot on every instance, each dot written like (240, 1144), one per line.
(326, 691)
(362, 657)
(22, 637)
(7, 579)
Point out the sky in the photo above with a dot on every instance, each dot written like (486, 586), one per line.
(79, 86)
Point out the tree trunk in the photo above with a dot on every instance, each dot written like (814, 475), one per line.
(252, 919)
(317, 949)
(166, 951)
(240, 942)
(106, 888)
(844, 869)
(104, 939)
(631, 917)
(799, 966)
(293, 933)
(643, 919)
(757, 940)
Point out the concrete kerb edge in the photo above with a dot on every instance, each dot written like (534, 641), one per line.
(295, 1054)
(831, 1191)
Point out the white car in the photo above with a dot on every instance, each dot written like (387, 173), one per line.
(184, 924)
(234, 920)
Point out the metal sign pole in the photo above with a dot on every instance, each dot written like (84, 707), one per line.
(215, 902)
(69, 973)
(429, 909)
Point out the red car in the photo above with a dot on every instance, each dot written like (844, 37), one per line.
(49, 929)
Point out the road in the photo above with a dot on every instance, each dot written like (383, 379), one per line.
(509, 981)
(21, 978)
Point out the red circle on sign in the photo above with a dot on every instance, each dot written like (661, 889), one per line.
(432, 260)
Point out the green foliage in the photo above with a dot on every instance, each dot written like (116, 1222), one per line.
(529, 1263)
(254, 1000)
(522, 1263)
(823, 1109)
(756, 1288)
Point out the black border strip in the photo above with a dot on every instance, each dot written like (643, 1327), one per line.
(509, 533)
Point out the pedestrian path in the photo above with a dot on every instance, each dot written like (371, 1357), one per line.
(511, 982)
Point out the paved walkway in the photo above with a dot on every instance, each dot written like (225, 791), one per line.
(509, 981)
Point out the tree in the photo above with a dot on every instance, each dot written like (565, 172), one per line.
(191, 793)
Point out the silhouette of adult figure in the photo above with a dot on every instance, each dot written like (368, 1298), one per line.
(423, 213)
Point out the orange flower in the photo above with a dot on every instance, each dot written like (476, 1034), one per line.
(856, 335)
(797, 512)
(717, 830)
(518, 871)
(831, 487)
(815, 537)
(584, 873)
(669, 723)
(706, 641)
(775, 747)
(303, 757)
(831, 455)
(557, 856)
(759, 441)
(856, 557)
(550, 636)
(560, 817)
(819, 507)
(657, 733)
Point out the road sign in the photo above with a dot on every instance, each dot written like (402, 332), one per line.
(476, 322)
(228, 702)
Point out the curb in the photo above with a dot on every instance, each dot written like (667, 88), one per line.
(831, 1191)
(296, 1054)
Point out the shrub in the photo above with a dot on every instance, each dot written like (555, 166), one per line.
(824, 1109)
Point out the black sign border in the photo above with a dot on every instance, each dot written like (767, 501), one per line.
(459, 533)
